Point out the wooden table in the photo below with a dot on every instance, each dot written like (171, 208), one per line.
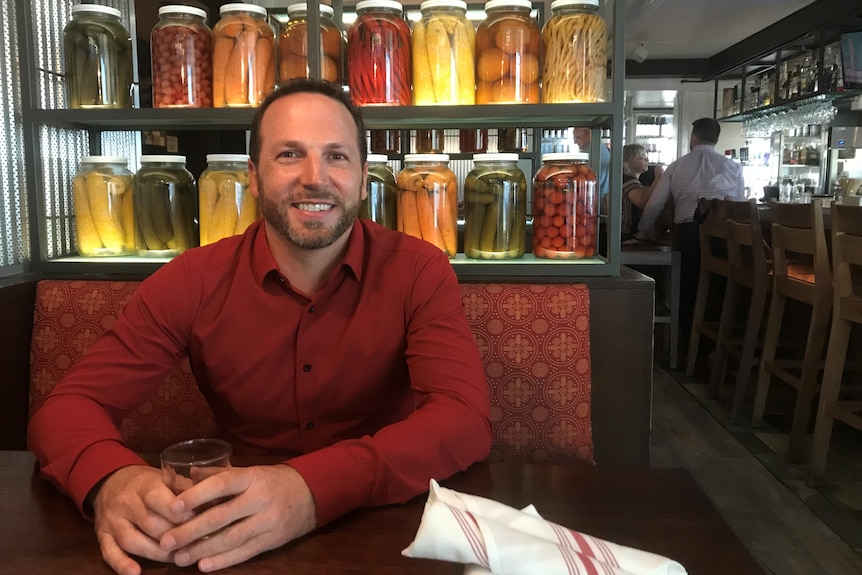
(660, 510)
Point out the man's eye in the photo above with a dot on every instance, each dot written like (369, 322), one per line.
(338, 156)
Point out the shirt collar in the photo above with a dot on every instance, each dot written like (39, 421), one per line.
(264, 264)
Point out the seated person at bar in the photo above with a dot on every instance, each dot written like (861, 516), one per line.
(635, 194)
(315, 336)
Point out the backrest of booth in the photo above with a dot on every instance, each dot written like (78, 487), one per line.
(533, 340)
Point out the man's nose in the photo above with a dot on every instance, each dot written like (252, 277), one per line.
(313, 169)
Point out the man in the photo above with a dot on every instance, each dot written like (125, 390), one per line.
(327, 340)
(702, 173)
(584, 138)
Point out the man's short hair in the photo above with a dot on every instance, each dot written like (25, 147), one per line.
(313, 86)
(706, 129)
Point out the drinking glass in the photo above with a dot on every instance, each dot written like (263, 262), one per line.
(189, 462)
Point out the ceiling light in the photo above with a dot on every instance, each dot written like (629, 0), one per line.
(640, 54)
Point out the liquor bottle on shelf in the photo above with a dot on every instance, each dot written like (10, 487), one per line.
(784, 84)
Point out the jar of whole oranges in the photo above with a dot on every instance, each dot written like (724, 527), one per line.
(565, 207)
(508, 44)
(293, 45)
(243, 56)
(428, 200)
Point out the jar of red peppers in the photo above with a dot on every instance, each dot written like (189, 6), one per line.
(293, 45)
(181, 49)
(428, 200)
(243, 57)
(508, 42)
(565, 207)
(378, 55)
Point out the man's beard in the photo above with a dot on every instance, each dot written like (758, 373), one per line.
(310, 235)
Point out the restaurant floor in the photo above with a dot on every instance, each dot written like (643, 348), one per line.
(790, 528)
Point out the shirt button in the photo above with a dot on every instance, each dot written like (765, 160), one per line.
(310, 425)
(306, 368)
(311, 309)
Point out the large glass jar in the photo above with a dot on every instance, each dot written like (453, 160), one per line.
(381, 205)
(430, 141)
(104, 207)
(97, 53)
(386, 141)
(293, 45)
(513, 140)
(428, 200)
(508, 44)
(474, 141)
(165, 207)
(243, 57)
(576, 46)
(443, 54)
(378, 55)
(181, 46)
(495, 199)
(225, 205)
(565, 207)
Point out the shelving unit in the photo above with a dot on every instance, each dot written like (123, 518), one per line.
(95, 123)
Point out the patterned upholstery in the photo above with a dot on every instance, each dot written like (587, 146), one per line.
(533, 339)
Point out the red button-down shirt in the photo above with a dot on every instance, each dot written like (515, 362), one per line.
(369, 388)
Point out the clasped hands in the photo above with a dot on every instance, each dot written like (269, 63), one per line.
(262, 508)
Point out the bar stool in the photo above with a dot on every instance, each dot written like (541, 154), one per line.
(713, 265)
(847, 311)
(748, 269)
(800, 272)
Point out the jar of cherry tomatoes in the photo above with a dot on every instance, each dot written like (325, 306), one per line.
(495, 198)
(243, 57)
(293, 45)
(381, 205)
(181, 46)
(378, 55)
(508, 42)
(428, 200)
(565, 207)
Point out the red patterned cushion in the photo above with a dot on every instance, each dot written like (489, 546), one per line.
(535, 346)
(533, 340)
(69, 316)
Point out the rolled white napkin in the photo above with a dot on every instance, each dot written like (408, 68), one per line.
(490, 537)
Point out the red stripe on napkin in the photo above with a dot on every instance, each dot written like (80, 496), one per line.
(470, 527)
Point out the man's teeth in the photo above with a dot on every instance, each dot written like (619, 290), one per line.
(314, 207)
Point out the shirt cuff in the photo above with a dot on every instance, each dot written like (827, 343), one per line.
(94, 464)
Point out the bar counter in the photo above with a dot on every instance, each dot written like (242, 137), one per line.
(658, 510)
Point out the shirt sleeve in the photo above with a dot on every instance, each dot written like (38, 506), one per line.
(448, 431)
(656, 201)
(75, 433)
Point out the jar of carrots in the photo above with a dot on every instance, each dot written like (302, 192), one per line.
(428, 200)
(378, 55)
(293, 45)
(243, 57)
(381, 205)
(565, 207)
(181, 46)
(495, 198)
(508, 44)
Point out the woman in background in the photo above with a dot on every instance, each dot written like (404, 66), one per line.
(635, 194)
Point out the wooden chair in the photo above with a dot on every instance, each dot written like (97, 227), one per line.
(749, 270)
(714, 266)
(800, 272)
(847, 311)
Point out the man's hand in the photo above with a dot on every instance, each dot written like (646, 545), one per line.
(658, 171)
(132, 512)
(267, 507)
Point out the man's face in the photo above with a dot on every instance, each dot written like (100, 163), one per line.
(583, 138)
(309, 180)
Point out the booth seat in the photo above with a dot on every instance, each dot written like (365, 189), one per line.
(533, 340)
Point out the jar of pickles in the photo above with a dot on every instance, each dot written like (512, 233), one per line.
(181, 46)
(165, 207)
(508, 44)
(293, 45)
(97, 52)
(378, 55)
(565, 207)
(225, 205)
(576, 46)
(443, 54)
(381, 205)
(243, 57)
(495, 198)
(104, 207)
(428, 200)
